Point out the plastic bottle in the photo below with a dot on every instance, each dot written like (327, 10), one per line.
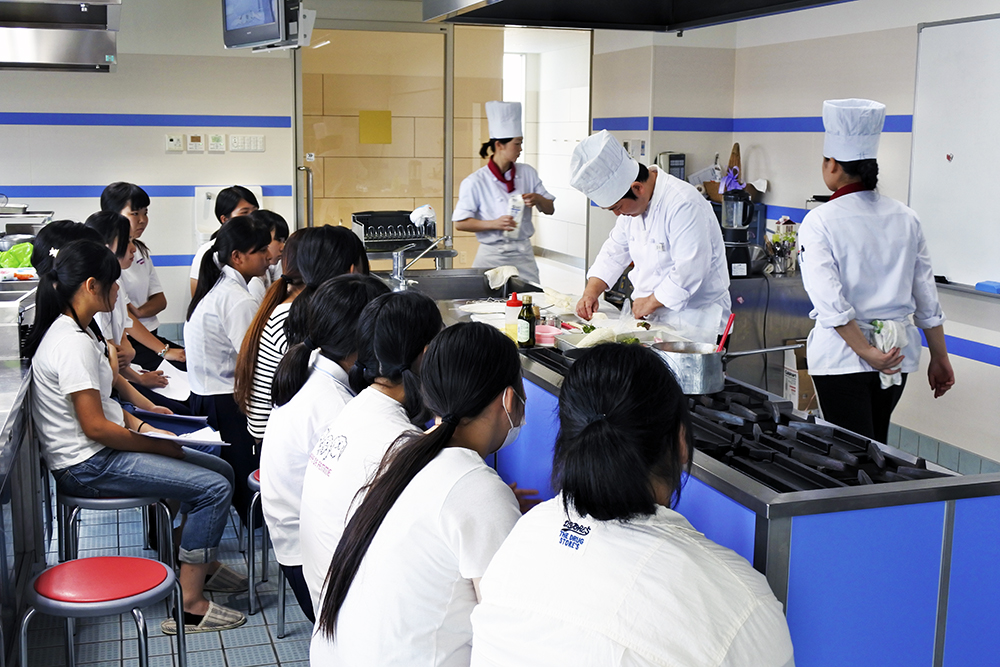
(511, 313)
(516, 211)
(526, 325)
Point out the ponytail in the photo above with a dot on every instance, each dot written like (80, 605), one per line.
(332, 327)
(246, 235)
(866, 170)
(466, 367)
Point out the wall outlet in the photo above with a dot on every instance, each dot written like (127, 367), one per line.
(463, 257)
(175, 143)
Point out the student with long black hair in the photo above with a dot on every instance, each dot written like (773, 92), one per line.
(279, 237)
(217, 321)
(606, 573)
(145, 294)
(231, 202)
(94, 449)
(312, 256)
(309, 396)
(403, 581)
(393, 332)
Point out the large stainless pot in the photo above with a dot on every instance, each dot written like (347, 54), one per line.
(699, 369)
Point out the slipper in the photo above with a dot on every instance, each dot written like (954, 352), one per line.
(226, 580)
(218, 618)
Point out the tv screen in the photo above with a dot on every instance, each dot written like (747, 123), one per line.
(252, 22)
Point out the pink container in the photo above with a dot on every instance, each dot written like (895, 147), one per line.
(546, 335)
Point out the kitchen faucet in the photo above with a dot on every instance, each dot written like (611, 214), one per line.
(399, 269)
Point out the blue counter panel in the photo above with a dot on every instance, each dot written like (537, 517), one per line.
(974, 591)
(528, 460)
(719, 517)
(863, 585)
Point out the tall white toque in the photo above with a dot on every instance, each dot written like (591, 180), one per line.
(504, 119)
(853, 128)
(601, 169)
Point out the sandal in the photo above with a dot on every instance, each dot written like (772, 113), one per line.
(218, 618)
(226, 580)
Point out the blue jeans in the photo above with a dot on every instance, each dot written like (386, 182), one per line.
(201, 482)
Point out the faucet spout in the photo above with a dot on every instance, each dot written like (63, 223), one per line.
(425, 251)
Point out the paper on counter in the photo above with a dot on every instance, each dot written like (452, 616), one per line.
(204, 436)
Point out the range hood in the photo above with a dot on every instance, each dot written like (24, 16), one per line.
(655, 15)
(59, 35)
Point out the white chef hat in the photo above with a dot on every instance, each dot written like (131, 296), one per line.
(601, 169)
(853, 128)
(504, 119)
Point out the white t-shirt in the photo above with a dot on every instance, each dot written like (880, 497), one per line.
(863, 257)
(567, 590)
(68, 360)
(141, 282)
(256, 285)
(345, 457)
(291, 434)
(411, 600)
(114, 324)
(214, 334)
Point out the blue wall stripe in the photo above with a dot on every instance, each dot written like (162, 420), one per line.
(67, 191)
(143, 120)
(640, 123)
(969, 349)
(681, 124)
(172, 260)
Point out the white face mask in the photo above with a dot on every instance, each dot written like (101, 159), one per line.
(514, 430)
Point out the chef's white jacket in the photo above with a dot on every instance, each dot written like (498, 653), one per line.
(483, 197)
(679, 257)
(863, 257)
(567, 590)
(291, 433)
(214, 334)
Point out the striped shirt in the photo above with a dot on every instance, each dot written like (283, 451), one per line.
(271, 349)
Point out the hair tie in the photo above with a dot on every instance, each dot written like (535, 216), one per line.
(53, 275)
(308, 342)
(451, 418)
(595, 418)
(53, 252)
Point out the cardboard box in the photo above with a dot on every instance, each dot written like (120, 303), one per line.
(798, 385)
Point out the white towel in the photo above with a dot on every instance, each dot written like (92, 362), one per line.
(888, 334)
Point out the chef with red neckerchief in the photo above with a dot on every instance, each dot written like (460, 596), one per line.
(484, 198)
(867, 270)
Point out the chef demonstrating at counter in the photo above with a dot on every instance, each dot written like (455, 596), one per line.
(491, 199)
(667, 229)
(867, 271)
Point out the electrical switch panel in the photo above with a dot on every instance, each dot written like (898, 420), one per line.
(246, 143)
(175, 143)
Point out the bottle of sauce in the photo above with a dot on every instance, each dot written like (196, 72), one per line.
(511, 313)
(526, 324)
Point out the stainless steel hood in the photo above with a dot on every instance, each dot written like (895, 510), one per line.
(59, 35)
(656, 15)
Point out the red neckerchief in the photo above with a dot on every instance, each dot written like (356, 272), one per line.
(850, 188)
(495, 170)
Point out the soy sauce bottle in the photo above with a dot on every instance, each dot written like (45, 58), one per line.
(526, 324)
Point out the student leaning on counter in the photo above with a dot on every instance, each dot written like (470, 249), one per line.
(667, 229)
(484, 198)
(867, 271)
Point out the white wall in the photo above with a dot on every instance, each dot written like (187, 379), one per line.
(171, 61)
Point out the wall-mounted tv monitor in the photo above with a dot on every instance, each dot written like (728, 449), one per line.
(249, 23)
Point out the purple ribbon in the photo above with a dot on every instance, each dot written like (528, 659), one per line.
(730, 181)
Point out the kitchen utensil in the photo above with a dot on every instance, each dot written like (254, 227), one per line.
(699, 369)
(725, 334)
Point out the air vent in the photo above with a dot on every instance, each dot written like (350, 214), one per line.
(60, 36)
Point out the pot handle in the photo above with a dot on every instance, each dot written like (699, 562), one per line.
(746, 353)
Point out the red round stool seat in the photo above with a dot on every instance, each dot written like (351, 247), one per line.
(100, 579)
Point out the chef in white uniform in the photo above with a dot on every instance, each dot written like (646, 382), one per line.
(667, 229)
(484, 198)
(866, 268)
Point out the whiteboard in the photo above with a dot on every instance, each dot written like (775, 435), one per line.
(956, 115)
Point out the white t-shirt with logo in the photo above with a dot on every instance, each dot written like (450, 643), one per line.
(345, 457)
(570, 590)
(411, 601)
(68, 360)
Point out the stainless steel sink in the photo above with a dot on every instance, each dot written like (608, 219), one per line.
(457, 284)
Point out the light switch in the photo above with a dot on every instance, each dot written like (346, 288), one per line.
(246, 143)
(175, 143)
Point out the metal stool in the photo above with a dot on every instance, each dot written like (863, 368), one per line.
(69, 522)
(103, 586)
(253, 481)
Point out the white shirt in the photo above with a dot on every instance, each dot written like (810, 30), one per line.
(68, 360)
(214, 334)
(141, 282)
(483, 197)
(679, 256)
(411, 601)
(566, 590)
(256, 285)
(345, 457)
(114, 324)
(291, 434)
(863, 257)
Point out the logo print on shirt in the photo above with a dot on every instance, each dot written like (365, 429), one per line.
(573, 535)
(327, 452)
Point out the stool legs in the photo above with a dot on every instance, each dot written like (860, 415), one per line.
(23, 639)
(252, 553)
(141, 638)
(281, 603)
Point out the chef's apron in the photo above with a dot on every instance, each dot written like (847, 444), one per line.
(509, 252)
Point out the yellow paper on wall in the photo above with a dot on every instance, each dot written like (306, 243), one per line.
(376, 127)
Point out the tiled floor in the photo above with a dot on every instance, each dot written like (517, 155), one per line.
(110, 641)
